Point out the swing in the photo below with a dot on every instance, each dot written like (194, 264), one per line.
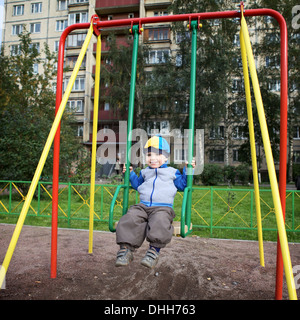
(184, 227)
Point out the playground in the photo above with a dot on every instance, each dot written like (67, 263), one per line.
(189, 269)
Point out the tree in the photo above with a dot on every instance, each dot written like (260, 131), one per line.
(268, 50)
(116, 74)
(217, 66)
(27, 113)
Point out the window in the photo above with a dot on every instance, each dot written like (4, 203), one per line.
(62, 5)
(18, 10)
(296, 156)
(71, 61)
(158, 34)
(35, 27)
(238, 133)
(78, 17)
(56, 46)
(79, 84)
(180, 36)
(273, 62)
(236, 40)
(274, 85)
(80, 131)
(237, 85)
(180, 155)
(76, 40)
(216, 132)
(178, 60)
(160, 13)
(216, 155)
(61, 25)
(165, 127)
(296, 132)
(17, 29)
(106, 106)
(272, 38)
(15, 49)
(36, 7)
(238, 110)
(156, 127)
(35, 45)
(237, 61)
(235, 155)
(75, 106)
(158, 56)
(77, 1)
(36, 68)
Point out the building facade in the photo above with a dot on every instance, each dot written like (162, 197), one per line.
(46, 19)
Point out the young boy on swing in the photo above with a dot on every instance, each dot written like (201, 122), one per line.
(152, 218)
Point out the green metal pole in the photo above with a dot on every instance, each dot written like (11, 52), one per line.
(135, 32)
(194, 27)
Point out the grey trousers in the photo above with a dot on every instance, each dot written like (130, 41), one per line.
(141, 222)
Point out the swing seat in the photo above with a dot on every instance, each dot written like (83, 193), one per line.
(182, 228)
(176, 225)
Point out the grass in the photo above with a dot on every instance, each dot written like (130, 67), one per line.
(219, 212)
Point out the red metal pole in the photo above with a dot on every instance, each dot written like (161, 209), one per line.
(56, 145)
(283, 146)
(283, 132)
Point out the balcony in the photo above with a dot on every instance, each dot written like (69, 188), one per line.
(157, 4)
(117, 135)
(109, 115)
(113, 6)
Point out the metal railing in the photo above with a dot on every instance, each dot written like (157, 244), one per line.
(212, 207)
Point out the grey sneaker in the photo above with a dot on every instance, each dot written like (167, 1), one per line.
(151, 258)
(124, 257)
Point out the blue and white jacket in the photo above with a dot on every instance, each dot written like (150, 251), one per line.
(158, 187)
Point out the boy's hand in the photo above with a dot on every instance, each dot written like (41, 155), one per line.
(193, 163)
(124, 168)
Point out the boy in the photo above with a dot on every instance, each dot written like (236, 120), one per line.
(152, 218)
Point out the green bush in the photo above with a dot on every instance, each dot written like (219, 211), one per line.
(229, 174)
(242, 172)
(212, 174)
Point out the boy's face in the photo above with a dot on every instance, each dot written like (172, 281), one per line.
(155, 160)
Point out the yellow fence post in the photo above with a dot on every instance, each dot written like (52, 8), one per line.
(42, 160)
(94, 143)
(253, 151)
(271, 167)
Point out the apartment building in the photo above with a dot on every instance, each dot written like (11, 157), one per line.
(46, 19)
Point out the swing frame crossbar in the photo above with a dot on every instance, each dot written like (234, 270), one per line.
(135, 24)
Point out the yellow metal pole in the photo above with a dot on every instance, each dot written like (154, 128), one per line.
(271, 167)
(42, 160)
(94, 143)
(253, 151)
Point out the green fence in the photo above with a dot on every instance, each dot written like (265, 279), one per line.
(213, 208)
